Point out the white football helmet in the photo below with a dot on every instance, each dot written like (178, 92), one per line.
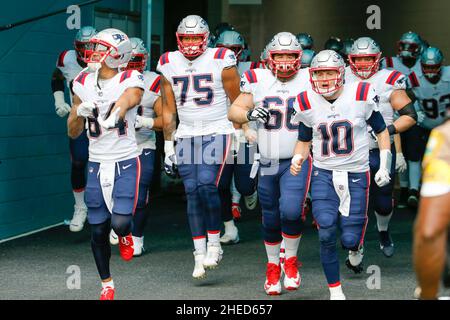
(110, 46)
(284, 43)
(364, 47)
(139, 56)
(193, 25)
(82, 40)
(327, 60)
(232, 40)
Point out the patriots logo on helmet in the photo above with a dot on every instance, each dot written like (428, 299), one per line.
(118, 37)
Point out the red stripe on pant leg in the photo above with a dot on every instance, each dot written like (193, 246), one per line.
(199, 237)
(361, 242)
(78, 190)
(284, 235)
(219, 174)
(308, 184)
(334, 285)
(138, 179)
(272, 243)
(213, 231)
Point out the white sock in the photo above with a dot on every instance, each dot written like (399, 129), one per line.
(414, 174)
(214, 237)
(404, 179)
(291, 246)
(383, 221)
(200, 245)
(229, 225)
(109, 283)
(79, 198)
(336, 290)
(273, 252)
(235, 195)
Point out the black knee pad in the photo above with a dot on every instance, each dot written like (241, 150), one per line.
(121, 224)
(100, 233)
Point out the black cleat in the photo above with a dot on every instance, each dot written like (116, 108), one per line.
(356, 269)
(413, 199)
(403, 201)
(386, 244)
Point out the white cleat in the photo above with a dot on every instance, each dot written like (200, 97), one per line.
(231, 235)
(272, 285)
(138, 246)
(251, 201)
(113, 238)
(214, 254)
(199, 269)
(292, 278)
(336, 293)
(78, 219)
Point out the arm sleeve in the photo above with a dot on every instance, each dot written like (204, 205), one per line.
(304, 133)
(376, 121)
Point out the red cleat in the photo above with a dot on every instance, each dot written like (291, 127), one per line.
(236, 211)
(126, 247)
(107, 293)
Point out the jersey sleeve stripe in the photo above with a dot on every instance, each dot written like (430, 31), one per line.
(362, 91)
(303, 101)
(393, 77)
(220, 54)
(413, 79)
(251, 76)
(389, 62)
(61, 58)
(156, 85)
(81, 78)
(125, 75)
(164, 59)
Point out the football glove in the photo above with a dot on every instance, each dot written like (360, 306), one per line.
(86, 109)
(61, 107)
(383, 175)
(170, 159)
(260, 114)
(111, 121)
(143, 122)
(400, 163)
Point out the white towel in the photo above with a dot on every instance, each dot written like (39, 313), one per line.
(340, 182)
(255, 166)
(107, 176)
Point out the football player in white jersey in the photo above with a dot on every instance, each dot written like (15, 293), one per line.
(407, 60)
(431, 88)
(267, 97)
(389, 85)
(107, 99)
(69, 65)
(237, 172)
(148, 119)
(334, 118)
(196, 84)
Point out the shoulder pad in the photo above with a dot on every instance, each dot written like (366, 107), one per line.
(362, 91)
(303, 101)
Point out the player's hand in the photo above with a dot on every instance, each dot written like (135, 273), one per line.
(373, 135)
(111, 121)
(296, 164)
(143, 122)
(251, 136)
(260, 114)
(86, 109)
(62, 109)
(382, 177)
(170, 160)
(400, 163)
(420, 116)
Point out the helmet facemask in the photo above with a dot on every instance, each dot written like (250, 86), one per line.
(364, 69)
(328, 86)
(193, 49)
(284, 68)
(408, 50)
(97, 53)
(431, 71)
(80, 48)
(137, 62)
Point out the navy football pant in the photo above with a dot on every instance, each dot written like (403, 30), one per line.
(282, 197)
(239, 167)
(79, 155)
(147, 159)
(381, 197)
(325, 208)
(200, 163)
